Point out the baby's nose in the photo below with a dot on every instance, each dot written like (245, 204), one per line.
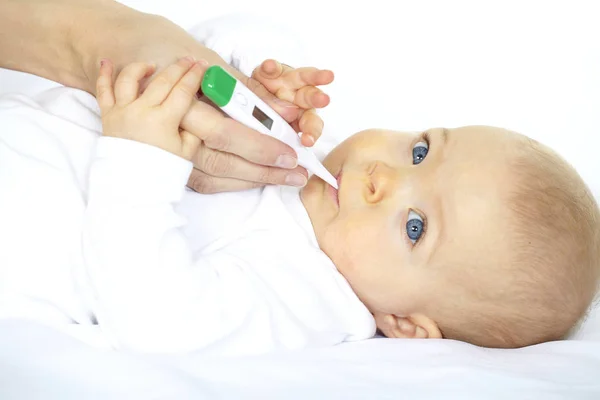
(382, 180)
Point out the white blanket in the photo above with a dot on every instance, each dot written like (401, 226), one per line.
(41, 364)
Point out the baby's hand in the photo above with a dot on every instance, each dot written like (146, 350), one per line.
(298, 86)
(154, 116)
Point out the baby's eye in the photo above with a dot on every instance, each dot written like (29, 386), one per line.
(414, 226)
(419, 152)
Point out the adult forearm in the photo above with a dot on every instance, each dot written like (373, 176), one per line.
(58, 39)
(64, 40)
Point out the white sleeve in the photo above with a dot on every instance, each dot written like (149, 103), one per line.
(146, 291)
(245, 42)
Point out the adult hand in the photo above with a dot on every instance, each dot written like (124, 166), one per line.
(65, 40)
(231, 156)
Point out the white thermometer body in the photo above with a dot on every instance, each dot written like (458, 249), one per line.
(241, 104)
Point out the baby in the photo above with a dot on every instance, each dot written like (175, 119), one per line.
(476, 234)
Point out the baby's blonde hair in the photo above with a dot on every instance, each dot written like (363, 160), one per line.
(551, 272)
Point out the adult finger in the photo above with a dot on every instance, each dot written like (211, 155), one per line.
(226, 165)
(207, 184)
(227, 135)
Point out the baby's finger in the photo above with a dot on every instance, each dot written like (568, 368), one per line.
(185, 90)
(160, 87)
(104, 88)
(190, 144)
(127, 86)
(268, 74)
(307, 76)
(310, 97)
(269, 70)
(311, 126)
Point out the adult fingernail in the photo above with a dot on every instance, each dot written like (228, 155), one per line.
(295, 180)
(189, 58)
(286, 161)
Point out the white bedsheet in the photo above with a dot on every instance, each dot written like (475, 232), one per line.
(41, 364)
(530, 66)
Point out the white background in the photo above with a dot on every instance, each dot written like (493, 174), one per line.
(530, 66)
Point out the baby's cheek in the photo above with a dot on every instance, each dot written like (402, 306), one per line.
(336, 156)
(349, 147)
(355, 246)
(337, 245)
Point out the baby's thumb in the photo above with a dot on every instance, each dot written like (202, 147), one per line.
(104, 86)
(189, 143)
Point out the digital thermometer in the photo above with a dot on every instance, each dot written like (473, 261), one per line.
(241, 104)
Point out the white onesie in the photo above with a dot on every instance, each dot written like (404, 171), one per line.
(102, 233)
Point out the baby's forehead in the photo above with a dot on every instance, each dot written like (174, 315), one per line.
(478, 152)
(482, 159)
(482, 134)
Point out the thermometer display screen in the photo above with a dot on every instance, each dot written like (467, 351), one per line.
(262, 117)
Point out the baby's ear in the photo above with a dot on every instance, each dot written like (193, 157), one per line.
(415, 326)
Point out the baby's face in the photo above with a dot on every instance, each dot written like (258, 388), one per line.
(407, 202)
